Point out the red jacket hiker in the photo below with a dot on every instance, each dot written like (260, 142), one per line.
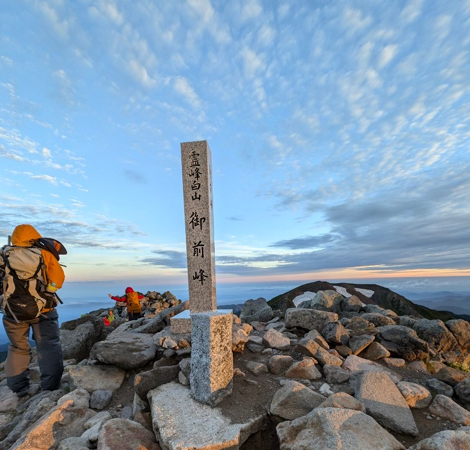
(132, 302)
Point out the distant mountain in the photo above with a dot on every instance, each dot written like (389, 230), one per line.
(376, 294)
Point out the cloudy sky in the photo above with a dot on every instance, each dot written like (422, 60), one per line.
(339, 131)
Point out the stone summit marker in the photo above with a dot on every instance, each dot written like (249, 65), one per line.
(211, 330)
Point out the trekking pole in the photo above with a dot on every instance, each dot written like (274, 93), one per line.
(58, 298)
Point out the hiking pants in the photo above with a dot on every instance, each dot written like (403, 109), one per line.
(134, 316)
(46, 335)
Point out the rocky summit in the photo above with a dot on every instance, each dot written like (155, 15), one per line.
(321, 367)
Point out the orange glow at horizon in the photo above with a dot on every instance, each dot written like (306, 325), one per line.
(346, 274)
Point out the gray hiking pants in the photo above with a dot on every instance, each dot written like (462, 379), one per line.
(46, 335)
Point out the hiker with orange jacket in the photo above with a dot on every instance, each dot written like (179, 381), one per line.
(132, 302)
(30, 275)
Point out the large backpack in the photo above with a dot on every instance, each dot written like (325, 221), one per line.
(24, 280)
(133, 303)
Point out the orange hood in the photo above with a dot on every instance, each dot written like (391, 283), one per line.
(23, 235)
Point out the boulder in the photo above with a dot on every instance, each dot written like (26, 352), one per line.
(274, 339)
(415, 395)
(204, 428)
(324, 301)
(335, 429)
(379, 320)
(335, 374)
(461, 330)
(343, 400)
(308, 319)
(304, 369)
(384, 402)
(239, 339)
(403, 342)
(294, 400)
(100, 398)
(358, 343)
(256, 310)
(446, 408)
(124, 434)
(351, 304)
(94, 378)
(278, 364)
(77, 344)
(126, 350)
(256, 368)
(146, 381)
(335, 333)
(439, 387)
(436, 334)
(374, 352)
(318, 338)
(64, 420)
(446, 440)
(355, 364)
(358, 326)
(462, 390)
(310, 348)
(450, 375)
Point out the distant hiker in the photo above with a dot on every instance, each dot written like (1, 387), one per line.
(132, 303)
(109, 318)
(30, 275)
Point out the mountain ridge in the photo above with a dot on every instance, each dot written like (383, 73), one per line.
(382, 296)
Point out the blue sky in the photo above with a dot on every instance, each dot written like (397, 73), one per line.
(339, 132)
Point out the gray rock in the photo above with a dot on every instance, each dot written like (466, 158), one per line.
(335, 333)
(146, 381)
(403, 342)
(450, 375)
(351, 304)
(439, 387)
(358, 343)
(343, 400)
(355, 364)
(207, 428)
(415, 395)
(124, 434)
(335, 374)
(256, 368)
(310, 348)
(461, 330)
(94, 378)
(308, 319)
(77, 344)
(324, 301)
(358, 326)
(318, 338)
(185, 366)
(100, 417)
(62, 421)
(462, 391)
(100, 398)
(126, 413)
(278, 364)
(374, 351)
(74, 443)
(335, 429)
(294, 400)
(125, 350)
(304, 369)
(407, 321)
(379, 320)
(446, 408)
(256, 310)
(274, 339)
(436, 334)
(384, 402)
(446, 440)
(419, 366)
